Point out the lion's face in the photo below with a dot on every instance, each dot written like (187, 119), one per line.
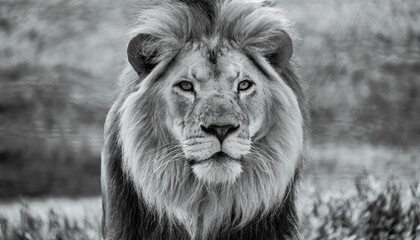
(215, 110)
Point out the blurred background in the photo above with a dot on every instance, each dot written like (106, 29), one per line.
(60, 60)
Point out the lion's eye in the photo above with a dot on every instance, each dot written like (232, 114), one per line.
(186, 86)
(244, 85)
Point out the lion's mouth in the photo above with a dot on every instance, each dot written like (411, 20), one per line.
(217, 157)
(219, 168)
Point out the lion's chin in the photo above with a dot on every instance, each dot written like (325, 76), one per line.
(217, 169)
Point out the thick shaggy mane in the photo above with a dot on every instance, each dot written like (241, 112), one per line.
(151, 161)
(252, 25)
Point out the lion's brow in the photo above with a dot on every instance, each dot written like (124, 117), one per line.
(239, 74)
(193, 74)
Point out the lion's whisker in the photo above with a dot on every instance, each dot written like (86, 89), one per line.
(171, 144)
(164, 164)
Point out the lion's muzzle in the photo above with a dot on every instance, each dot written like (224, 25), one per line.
(216, 124)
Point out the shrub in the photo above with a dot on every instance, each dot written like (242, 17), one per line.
(372, 211)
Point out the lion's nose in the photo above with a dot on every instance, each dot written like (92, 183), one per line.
(221, 132)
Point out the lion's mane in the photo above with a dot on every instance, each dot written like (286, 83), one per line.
(146, 181)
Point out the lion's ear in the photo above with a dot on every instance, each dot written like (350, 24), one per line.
(140, 55)
(279, 50)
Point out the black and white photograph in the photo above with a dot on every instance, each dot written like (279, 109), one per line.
(209, 120)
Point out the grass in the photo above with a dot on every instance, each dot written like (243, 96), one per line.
(370, 209)
(51, 219)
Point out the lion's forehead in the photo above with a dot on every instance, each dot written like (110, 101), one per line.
(197, 64)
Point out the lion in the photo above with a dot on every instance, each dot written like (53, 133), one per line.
(206, 139)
